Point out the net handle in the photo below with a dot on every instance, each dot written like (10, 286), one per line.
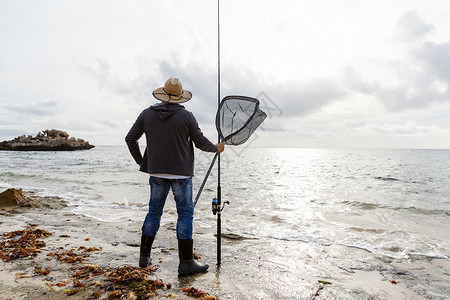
(205, 179)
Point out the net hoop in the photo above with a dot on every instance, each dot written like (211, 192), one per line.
(243, 127)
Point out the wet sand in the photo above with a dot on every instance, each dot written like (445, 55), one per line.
(251, 268)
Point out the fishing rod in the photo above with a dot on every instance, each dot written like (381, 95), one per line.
(236, 119)
(216, 204)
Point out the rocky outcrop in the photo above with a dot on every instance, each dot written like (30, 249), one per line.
(47, 140)
(14, 198)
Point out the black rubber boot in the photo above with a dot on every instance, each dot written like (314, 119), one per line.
(146, 249)
(187, 263)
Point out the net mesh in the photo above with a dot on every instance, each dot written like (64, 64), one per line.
(237, 119)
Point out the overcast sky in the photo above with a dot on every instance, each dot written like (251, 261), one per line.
(329, 73)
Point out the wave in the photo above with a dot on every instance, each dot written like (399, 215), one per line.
(44, 178)
(413, 209)
(423, 211)
(364, 205)
(371, 230)
(407, 254)
(394, 253)
(10, 175)
(386, 178)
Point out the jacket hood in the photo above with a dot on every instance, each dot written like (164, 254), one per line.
(166, 110)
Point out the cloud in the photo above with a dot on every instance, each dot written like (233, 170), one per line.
(409, 128)
(436, 59)
(43, 108)
(304, 97)
(416, 89)
(365, 65)
(111, 78)
(9, 134)
(417, 79)
(109, 123)
(412, 27)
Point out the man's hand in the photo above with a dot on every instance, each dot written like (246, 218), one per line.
(220, 147)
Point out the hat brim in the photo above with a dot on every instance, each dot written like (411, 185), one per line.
(161, 95)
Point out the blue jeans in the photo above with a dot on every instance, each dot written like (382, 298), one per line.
(182, 192)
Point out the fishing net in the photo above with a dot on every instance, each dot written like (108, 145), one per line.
(237, 118)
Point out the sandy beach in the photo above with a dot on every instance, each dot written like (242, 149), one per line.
(287, 270)
(50, 274)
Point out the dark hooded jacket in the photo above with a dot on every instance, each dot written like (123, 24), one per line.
(170, 132)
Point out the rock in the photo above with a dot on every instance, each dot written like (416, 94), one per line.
(47, 140)
(14, 198)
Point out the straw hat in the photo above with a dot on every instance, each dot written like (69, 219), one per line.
(172, 92)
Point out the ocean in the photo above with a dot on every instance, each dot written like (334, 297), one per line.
(392, 203)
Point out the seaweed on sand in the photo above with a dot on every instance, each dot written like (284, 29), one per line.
(87, 271)
(196, 293)
(39, 271)
(75, 255)
(22, 243)
(102, 282)
(133, 279)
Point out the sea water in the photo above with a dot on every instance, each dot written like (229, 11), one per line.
(394, 203)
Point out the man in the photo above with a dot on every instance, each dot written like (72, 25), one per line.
(170, 132)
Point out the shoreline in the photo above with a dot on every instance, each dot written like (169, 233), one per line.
(115, 245)
(252, 268)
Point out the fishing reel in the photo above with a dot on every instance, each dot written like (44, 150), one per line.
(215, 206)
